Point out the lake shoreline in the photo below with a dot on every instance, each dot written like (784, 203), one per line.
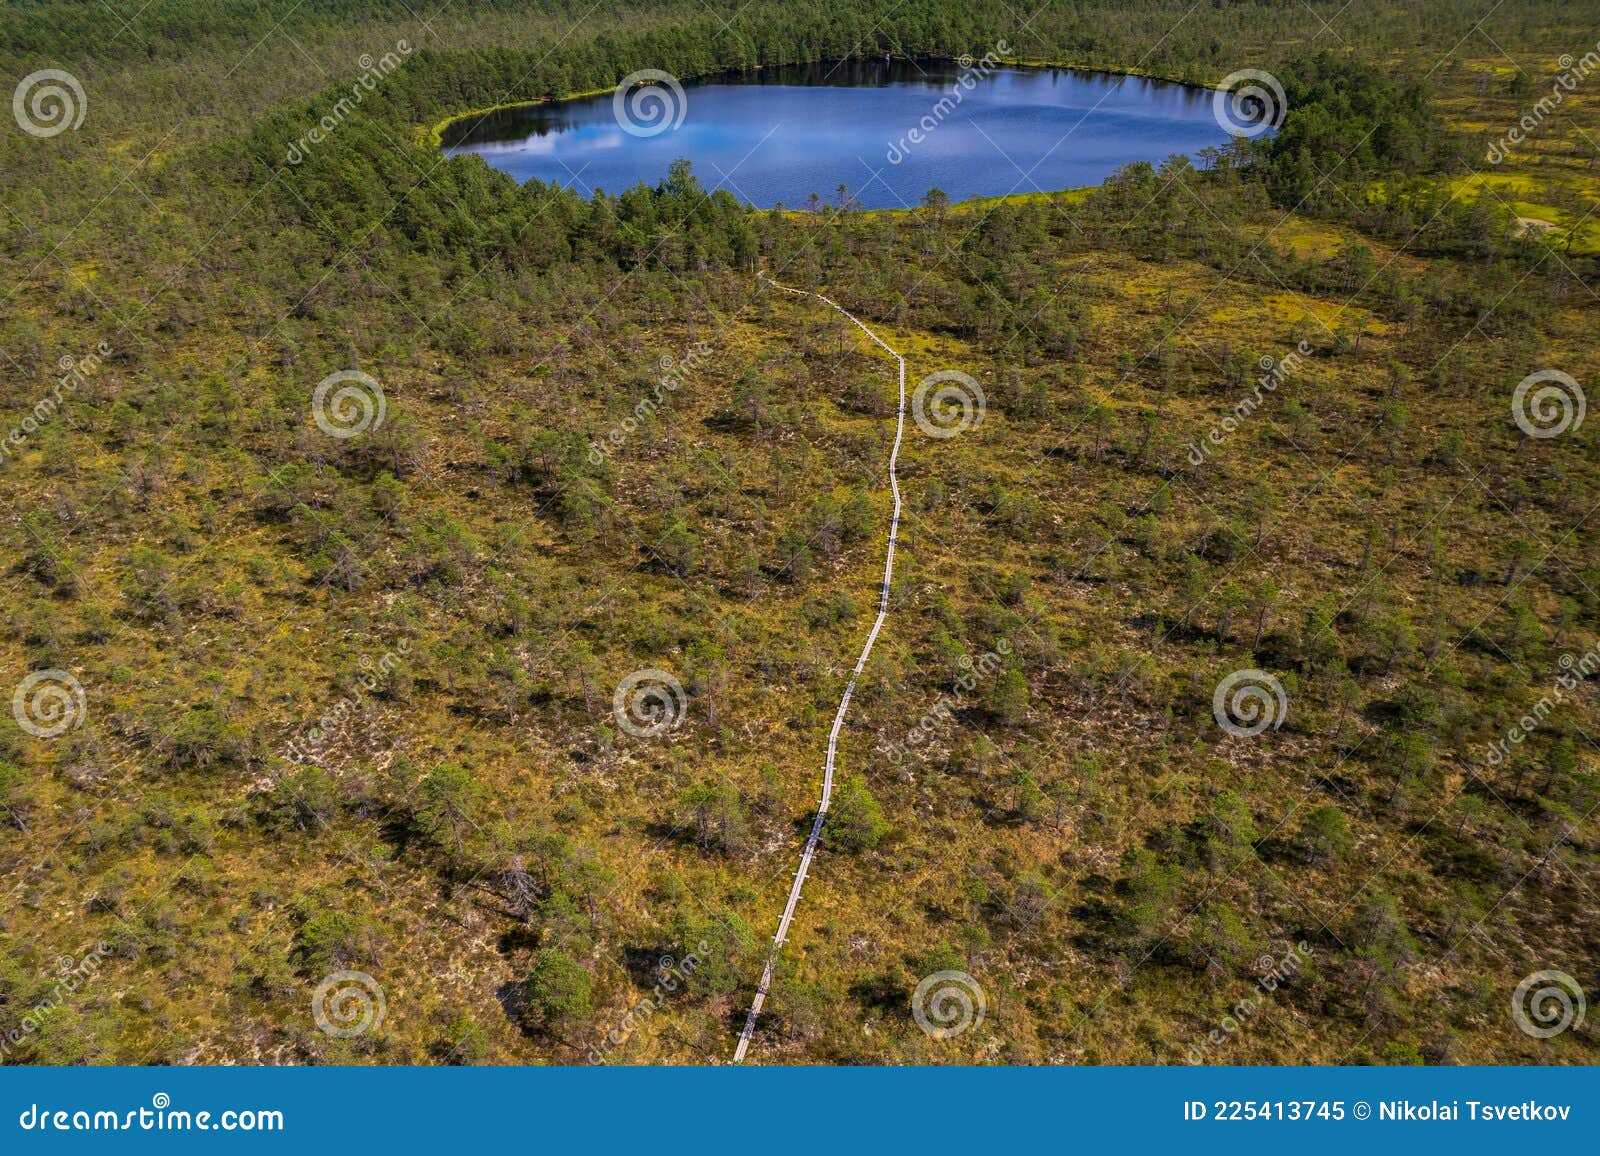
(432, 136)
(464, 132)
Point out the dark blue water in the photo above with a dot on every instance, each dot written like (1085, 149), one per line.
(781, 135)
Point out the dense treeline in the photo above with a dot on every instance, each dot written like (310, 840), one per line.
(1166, 37)
(1365, 125)
(1348, 124)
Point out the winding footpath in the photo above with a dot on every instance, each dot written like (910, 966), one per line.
(850, 688)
